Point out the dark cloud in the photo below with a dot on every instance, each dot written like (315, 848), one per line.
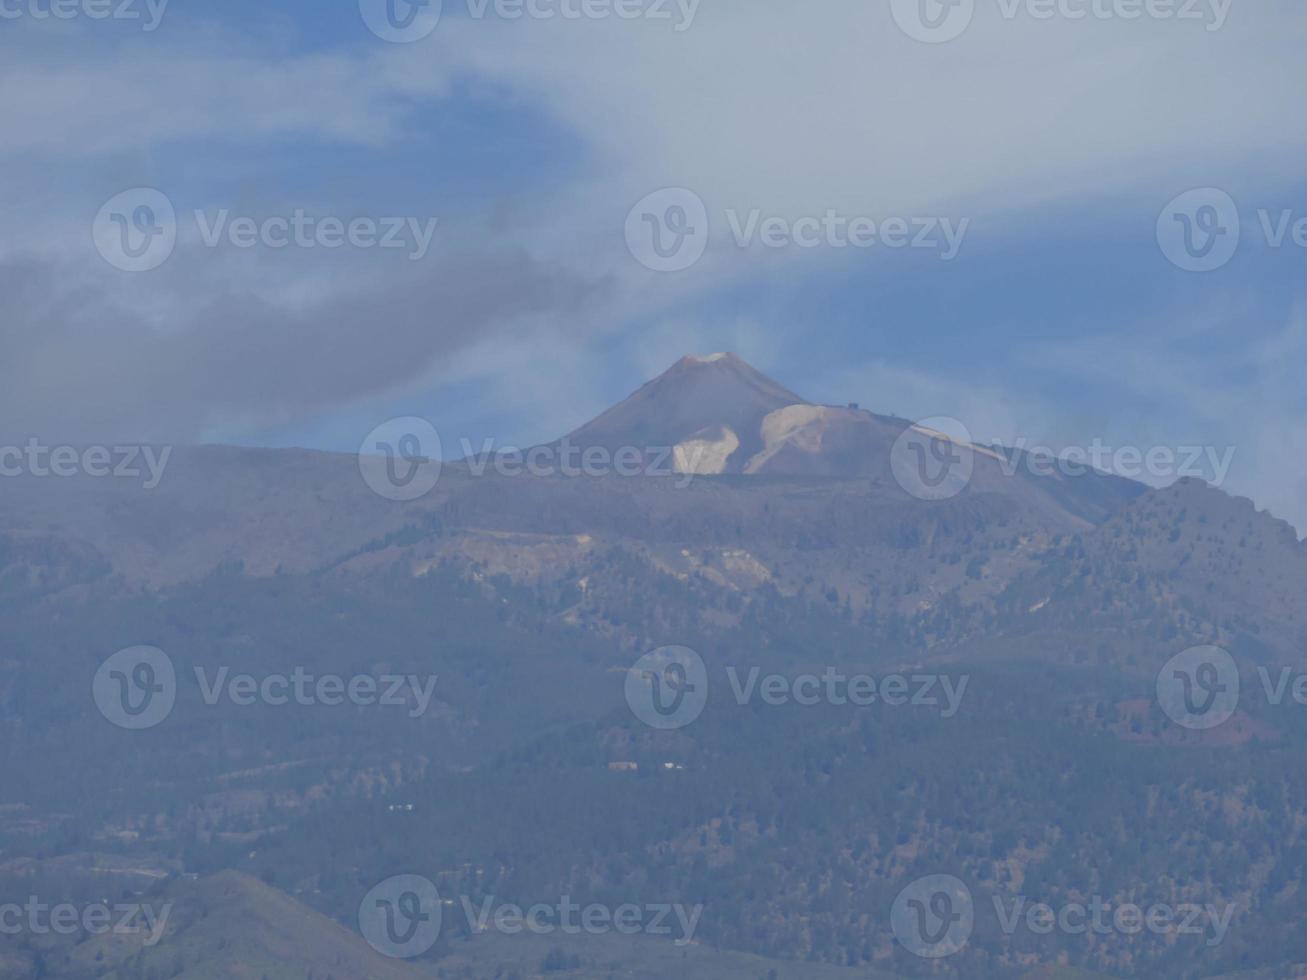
(80, 365)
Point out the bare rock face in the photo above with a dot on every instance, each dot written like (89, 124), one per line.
(822, 441)
(707, 452)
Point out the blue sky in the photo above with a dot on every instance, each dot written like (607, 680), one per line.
(1059, 141)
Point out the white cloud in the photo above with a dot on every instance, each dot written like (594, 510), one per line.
(765, 103)
(145, 95)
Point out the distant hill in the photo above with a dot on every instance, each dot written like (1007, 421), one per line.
(232, 926)
(220, 928)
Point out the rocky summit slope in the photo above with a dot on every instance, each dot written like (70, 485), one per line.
(788, 498)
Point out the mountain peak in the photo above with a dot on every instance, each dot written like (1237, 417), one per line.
(726, 359)
(732, 377)
(720, 415)
(727, 362)
(718, 398)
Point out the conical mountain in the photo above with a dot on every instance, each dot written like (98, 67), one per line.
(711, 407)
